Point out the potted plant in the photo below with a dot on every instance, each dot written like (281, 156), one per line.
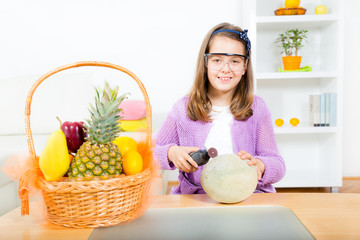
(291, 42)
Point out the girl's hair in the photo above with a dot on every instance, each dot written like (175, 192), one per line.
(199, 105)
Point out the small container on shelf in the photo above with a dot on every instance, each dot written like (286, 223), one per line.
(290, 11)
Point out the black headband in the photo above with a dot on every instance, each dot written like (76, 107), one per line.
(242, 35)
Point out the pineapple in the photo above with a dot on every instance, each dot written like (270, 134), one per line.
(99, 157)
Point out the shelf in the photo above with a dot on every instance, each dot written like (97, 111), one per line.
(308, 21)
(304, 130)
(313, 19)
(312, 155)
(295, 75)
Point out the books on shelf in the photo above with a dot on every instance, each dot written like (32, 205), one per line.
(323, 109)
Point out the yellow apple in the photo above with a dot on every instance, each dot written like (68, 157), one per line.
(321, 9)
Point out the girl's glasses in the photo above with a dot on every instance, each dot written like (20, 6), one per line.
(217, 61)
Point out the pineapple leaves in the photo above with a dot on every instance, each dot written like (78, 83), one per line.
(103, 125)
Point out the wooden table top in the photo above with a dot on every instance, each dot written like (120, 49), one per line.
(325, 215)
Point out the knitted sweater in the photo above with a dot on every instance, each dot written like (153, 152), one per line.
(255, 135)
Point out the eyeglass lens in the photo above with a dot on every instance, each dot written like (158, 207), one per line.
(218, 62)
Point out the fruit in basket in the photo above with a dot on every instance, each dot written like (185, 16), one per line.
(98, 157)
(54, 160)
(132, 163)
(292, 3)
(125, 144)
(75, 134)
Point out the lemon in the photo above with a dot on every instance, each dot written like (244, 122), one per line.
(292, 3)
(125, 144)
(132, 163)
(321, 9)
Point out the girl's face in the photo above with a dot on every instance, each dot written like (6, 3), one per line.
(225, 72)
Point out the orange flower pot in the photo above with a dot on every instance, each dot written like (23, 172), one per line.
(291, 62)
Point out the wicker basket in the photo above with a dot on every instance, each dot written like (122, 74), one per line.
(92, 203)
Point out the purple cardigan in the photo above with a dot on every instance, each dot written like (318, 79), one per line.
(255, 135)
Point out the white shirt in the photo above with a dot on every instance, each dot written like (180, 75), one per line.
(220, 133)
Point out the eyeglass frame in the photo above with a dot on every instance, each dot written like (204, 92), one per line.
(224, 54)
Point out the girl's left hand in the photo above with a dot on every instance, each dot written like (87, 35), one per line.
(259, 165)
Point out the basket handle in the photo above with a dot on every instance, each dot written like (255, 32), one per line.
(30, 140)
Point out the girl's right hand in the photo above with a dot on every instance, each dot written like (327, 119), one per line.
(181, 158)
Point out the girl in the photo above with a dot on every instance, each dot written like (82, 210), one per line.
(220, 111)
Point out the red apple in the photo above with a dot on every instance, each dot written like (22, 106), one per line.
(75, 134)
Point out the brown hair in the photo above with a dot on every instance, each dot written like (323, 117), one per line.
(199, 105)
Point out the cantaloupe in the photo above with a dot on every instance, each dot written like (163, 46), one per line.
(228, 179)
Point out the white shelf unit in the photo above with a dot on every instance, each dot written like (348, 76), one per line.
(313, 155)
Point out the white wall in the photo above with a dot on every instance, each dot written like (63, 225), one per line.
(351, 128)
(157, 40)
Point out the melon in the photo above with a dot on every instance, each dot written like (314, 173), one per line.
(228, 179)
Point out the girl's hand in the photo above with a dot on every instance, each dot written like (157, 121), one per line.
(259, 165)
(181, 158)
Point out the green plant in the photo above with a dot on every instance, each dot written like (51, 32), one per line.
(291, 41)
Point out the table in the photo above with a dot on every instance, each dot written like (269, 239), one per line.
(325, 215)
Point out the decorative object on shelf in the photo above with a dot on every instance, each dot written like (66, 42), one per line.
(323, 109)
(292, 3)
(279, 122)
(291, 8)
(294, 122)
(290, 11)
(303, 69)
(291, 42)
(321, 9)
